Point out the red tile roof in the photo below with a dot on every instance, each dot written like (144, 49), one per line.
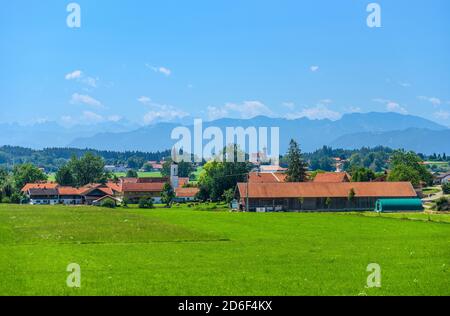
(325, 190)
(332, 177)
(69, 191)
(114, 186)
(142, 187)
(96, 186)
(258, 177)
(186, 192)
(183, 181)
(48, 185)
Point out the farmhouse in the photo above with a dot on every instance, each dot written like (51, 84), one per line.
(312, 196)
(186, 194)
(52, 193)
(442, 178)
(133, 192)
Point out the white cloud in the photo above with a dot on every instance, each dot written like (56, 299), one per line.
(289, 105)
(319, 112)
(245, 110)
(114, 118)
(77, 74)
(161, 112)
(405, 84)
(91, 117)
(354, 109)
(392, 106)
(144, 100)
(88, 118)
(442, 115)
(85, 99)
(162, 70)
(165, 114)
(433, 100)
(314, 68)
(92, 82)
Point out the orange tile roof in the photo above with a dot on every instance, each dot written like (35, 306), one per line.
(186, 192)
(258, 177)
(114, 186)
(69, 191)
(324, 190)
(183, 181)
(96, 186)
(48, 185)
(142, 187)
(332, 177)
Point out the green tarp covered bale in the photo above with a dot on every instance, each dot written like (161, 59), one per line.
(399, 205)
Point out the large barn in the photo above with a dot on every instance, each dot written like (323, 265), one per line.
(312, 196)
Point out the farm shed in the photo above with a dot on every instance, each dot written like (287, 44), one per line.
(313, 196)
(399, 205)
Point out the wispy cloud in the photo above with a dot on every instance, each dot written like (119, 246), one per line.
(79, 76)
(433, 100)
(88, 118)
(314, 68)
(318, 112)
(160, 112)
(85, 99)
(74, 75)
(245, 110)
(92, 117)
(405, 84)
(289, 105)
(442, 115)
(159, 69)
(392, 106)
(144, 100)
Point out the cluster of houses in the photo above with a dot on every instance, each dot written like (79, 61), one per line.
(126, 189)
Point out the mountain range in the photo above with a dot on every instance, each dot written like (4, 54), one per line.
(354, 130)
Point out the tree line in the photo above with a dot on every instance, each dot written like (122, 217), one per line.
(51, 159)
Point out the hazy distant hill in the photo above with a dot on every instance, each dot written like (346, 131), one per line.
(311, 134)
(419, 140)
(51, 134)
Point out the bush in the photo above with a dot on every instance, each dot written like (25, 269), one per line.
(108, 204)
(446, 188)
(442, 205)
(125, 202)
(146, 203)
(6, 200)
(16, 198)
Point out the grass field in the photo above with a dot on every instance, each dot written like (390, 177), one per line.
(190, 252)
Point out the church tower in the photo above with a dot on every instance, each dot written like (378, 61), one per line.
(174, 180)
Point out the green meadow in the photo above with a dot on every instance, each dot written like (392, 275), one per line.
(209, 251)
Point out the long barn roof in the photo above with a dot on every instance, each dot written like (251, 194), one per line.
(327, 190)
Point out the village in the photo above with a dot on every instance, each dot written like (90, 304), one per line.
(265, 188)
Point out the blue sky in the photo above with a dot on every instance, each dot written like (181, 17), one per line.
(172, 60)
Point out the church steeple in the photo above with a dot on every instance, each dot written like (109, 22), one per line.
(174, 180)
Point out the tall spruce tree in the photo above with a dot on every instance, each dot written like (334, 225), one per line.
(297, 167)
